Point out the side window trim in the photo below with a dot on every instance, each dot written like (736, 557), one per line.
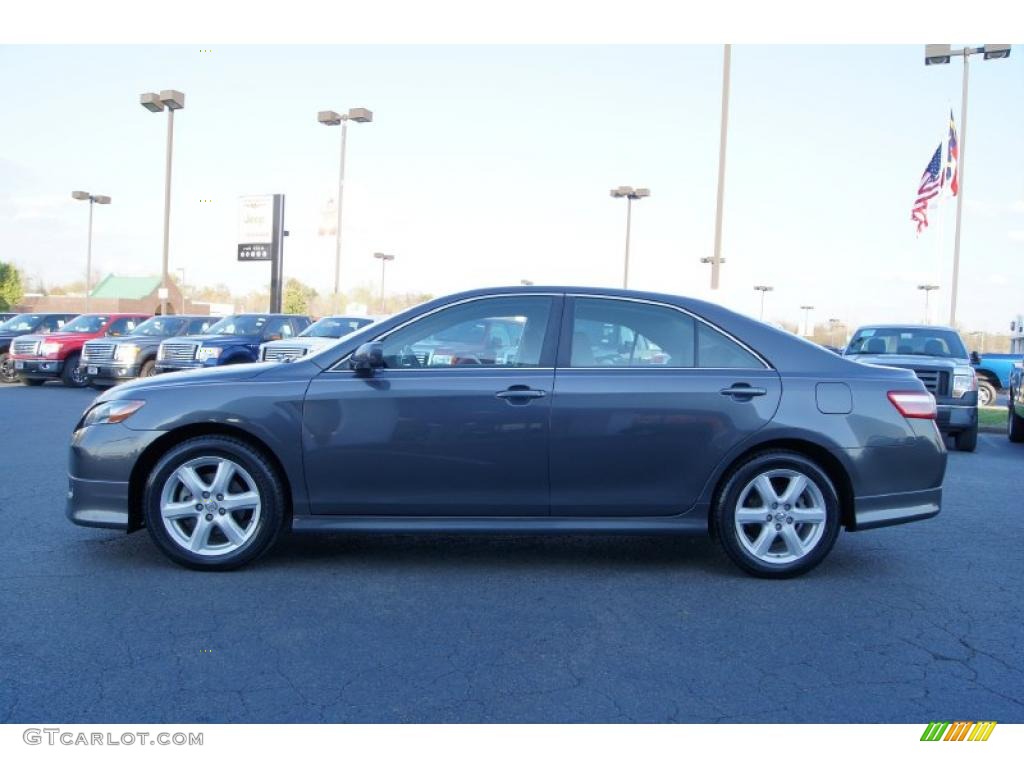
(549, 347)
(565, 338)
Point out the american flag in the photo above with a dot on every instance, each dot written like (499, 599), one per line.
(952, 158)
(931, 183)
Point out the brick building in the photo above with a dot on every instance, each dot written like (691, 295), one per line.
(117, 294)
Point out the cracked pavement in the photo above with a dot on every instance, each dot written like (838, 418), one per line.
(906, 624)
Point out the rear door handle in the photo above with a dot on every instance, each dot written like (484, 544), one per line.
(523, 393)
(743, 392)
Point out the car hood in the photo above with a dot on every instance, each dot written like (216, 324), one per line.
(306, 342)
(63, 338)
(130, 339)
(219, 375)
(214, 340)
(909, 361)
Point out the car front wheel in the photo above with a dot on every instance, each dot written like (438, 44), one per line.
(777, 515)
(1014, 425)
(214, 503)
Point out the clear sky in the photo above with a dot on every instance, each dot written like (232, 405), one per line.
(486, 165)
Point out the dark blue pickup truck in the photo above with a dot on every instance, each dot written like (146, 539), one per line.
(994, 373)
(235, 339)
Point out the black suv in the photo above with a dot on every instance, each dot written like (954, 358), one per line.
(938, 357)
(107, 361)
(19, 325)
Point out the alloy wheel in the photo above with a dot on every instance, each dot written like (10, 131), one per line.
(780, 516)
(210, 506)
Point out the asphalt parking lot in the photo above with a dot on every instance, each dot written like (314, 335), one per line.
(908, 624)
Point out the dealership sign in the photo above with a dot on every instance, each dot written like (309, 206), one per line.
(255, 228)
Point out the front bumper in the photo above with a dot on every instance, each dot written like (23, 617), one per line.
(956, 418)
(109, 372)
(97, 503)
(895, 508)
(100, 465)
(38, 368)
(172, 367)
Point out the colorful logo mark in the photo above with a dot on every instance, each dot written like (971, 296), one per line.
(961, 730)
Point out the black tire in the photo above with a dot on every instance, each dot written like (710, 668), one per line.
(966, 440)
(32, 382)
(1014, 425)
(7, 374)
(72, 375)
(148, 369)
(986, 393)
(737, 482)
(267, 528)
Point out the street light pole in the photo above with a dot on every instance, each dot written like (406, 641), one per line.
(941, 54)
(927, 288)
(173, 101)
(630, 194)
(716, 259)
(763, 289)
(807, 319)
(328, 117)
(384, 259)
(102, 200)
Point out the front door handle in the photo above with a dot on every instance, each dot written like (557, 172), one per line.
(743, 392)
(520, 392)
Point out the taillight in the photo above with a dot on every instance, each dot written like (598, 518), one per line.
(914, 405)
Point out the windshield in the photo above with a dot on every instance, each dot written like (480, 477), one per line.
(86, 324)
(335, 327)
(241, 325)
(933, 342)
(20, 324)
(159, 326)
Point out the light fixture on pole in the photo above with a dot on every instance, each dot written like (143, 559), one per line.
(716, 260)
(927, 288)
(384, 259)
(833, 323)
(807, 318)
(630, 194)
(763, 289)
(102, 200)
(328, 117)
(942, 54)
(173, 101)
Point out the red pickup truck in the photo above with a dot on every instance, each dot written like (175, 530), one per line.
(38, 358)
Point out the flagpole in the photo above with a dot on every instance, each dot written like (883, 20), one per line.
(961, 152)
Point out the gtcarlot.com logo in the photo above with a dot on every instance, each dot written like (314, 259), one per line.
(59, 736)
(961, 730)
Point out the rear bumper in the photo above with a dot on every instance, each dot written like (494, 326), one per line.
(38, 369)
(956, 418)
(895, 508)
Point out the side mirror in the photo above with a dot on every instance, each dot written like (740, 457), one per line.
(274, 337)
(975, 358)
(368, 357)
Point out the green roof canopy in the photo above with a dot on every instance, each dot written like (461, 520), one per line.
(114, 287)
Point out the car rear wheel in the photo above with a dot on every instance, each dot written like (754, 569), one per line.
(966, 440)
(986, 393)
(777, 515)
(214, 503)
(72, 375)
(1014, 425)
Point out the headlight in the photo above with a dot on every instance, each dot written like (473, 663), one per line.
(207, 353)
(126, 353)
(48, 348)
(964, 381)
(111, 412)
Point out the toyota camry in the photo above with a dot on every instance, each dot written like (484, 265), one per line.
(572, 410)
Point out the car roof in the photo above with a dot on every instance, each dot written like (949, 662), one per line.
(908, 326)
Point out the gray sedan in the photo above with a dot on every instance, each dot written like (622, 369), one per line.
(591, 410)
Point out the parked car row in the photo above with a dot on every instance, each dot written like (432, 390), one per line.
(103, 349)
